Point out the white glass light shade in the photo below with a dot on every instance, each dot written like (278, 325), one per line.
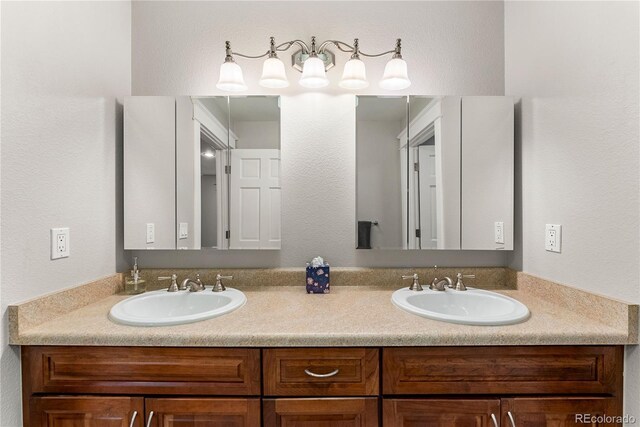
(395, 75)
(354, 75)
(273, 74)
(313, 74)
(231, 79)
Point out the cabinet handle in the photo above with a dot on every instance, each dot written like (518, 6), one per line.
(150, 418)
(513, 422)
(495, 421)
(314, 375)
(133, 418)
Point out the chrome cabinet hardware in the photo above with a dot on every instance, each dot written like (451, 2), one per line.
(511, 420)
(495, 421)
(329, 375)
(133, 418)
(173, 287)
(149, 419)
(415, 286)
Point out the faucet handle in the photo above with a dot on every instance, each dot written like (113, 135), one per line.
(459, 284)
(415, 286)
(174, 282)
(219, 286)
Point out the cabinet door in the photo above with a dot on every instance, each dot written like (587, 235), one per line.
(328, 412)
(86, 411)
(440, 412)
(203, 412)
(560, 412)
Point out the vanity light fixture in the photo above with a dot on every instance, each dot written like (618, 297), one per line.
(313, 61)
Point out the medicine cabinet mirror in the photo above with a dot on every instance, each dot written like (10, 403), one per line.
(434, 172)
(201, 172)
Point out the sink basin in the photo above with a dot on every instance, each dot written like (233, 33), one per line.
(162, 308)
(470, 307)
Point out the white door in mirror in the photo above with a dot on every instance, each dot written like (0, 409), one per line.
(162, 308)
(470, 307)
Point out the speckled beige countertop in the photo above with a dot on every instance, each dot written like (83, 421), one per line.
(348, 316)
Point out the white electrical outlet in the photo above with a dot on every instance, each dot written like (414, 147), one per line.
(553, 238)
(60, 243)
(499, 232)
(184, 230)
(151, 232)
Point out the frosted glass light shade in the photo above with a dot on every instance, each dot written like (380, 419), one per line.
(395, 75)
(313, 74)
(354, 75)
(273, 74)
(231, 79)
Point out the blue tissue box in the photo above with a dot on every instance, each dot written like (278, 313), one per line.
(318, 279)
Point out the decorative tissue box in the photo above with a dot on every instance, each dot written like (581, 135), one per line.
(318, 279)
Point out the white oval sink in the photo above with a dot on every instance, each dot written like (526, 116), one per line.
(470, 307)
(162, 308)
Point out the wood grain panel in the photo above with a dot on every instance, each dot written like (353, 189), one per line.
(203, 412)
(86, 411)
(328, 412)
(503, 370)
(143, 370)
(560, 411)
(440, 412)
(284, 372)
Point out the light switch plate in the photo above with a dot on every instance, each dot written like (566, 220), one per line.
(184, 230)
(151, 232)
(553, 238)
(499, 232)
(60, 243)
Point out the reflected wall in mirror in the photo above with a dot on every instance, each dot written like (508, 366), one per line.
(149, 172)
(448, 185)
(254, 182)
(381, 172)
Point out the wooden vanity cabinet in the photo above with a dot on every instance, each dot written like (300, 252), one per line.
(316, 387)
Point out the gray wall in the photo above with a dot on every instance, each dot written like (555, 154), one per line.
(575, 67)
(451, 48)
(379, 193)
(257, 134)
(65, 67)
(209, 191)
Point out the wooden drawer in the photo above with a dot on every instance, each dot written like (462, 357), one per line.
(321, 372)
(328, 412)
(441, 412)
(502, 370)
(142, 370)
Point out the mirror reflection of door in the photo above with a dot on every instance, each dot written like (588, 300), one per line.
(434, 181)
(255, 192)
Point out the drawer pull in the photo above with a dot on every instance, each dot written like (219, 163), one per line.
(314, 375)
(495, 421)
(513, 422)
(150, 418)
(133, 418)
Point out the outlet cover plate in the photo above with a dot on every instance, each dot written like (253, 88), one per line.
(553, 238)
(60, 243)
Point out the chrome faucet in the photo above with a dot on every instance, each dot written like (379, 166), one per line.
(441, 284)
(219, 286)
(192, 285)
(415, 286)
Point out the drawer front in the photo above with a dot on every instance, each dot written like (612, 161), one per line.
(502, 370)
(329, 412)
(441, 412)
(137, 370)
(321, 372)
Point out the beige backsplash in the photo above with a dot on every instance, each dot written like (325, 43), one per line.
(486, 277)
